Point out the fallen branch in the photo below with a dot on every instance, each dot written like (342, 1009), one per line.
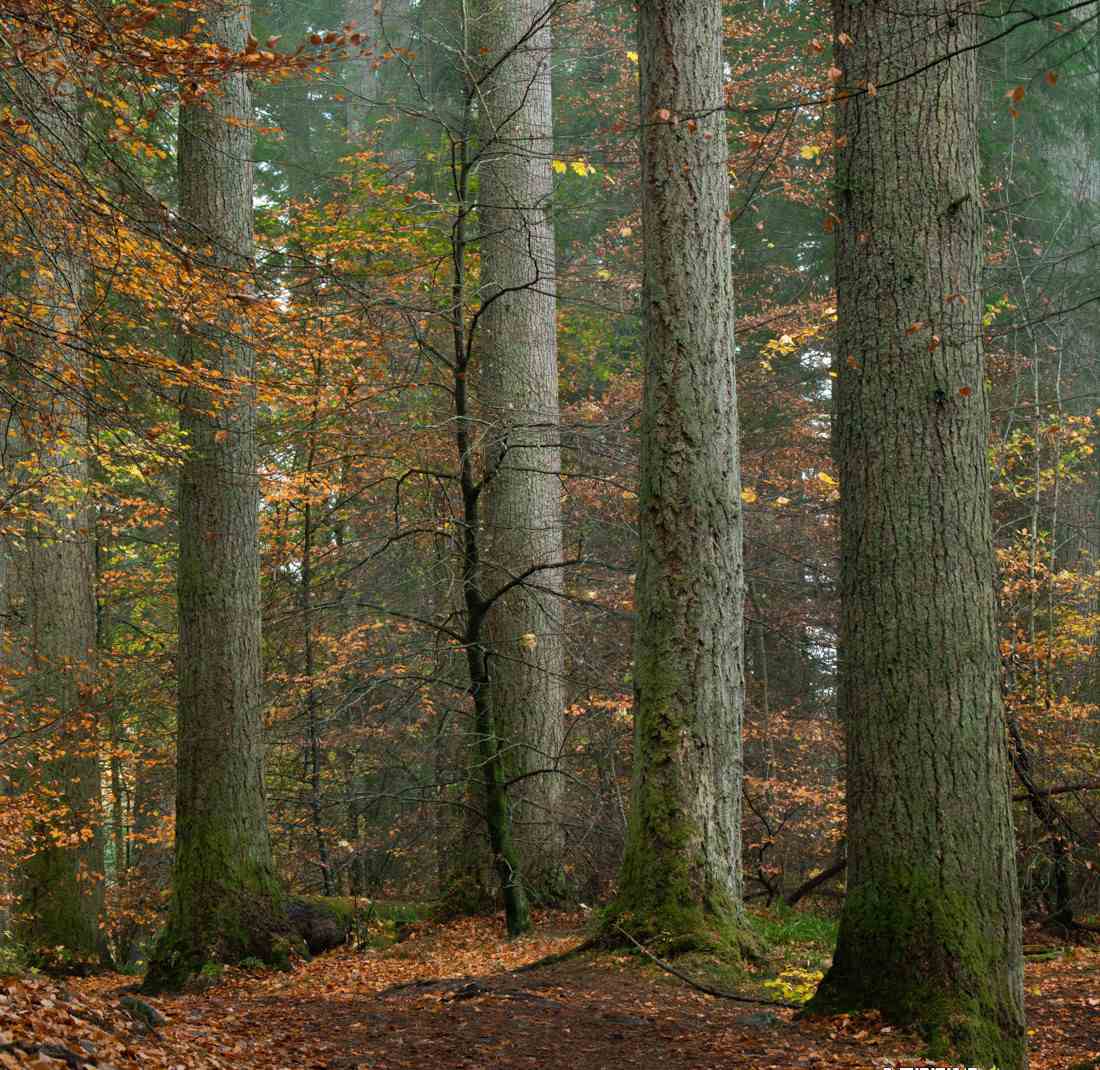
(804, 890)
(1061, 789)
(699, 986)
(464, 987)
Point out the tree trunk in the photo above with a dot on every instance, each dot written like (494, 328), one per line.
(681, 877)
(930, 933)
(518, 394)
(227, 903)
(61, 886)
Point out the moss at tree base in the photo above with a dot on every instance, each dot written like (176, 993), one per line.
(242, 926)
(916, 953)
(677, 928)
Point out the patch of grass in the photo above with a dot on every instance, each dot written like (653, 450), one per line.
(782, 927)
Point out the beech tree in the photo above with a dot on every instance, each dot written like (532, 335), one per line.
(51, 581)
(516, 342)
(681, 876)
(227, 902)
(930, 931)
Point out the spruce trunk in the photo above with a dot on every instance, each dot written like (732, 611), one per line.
(516, 346)
(227, 903)
(930, 932)
(681, 879)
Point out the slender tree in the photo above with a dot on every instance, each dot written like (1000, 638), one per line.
(930, 932)
(61, 891)
(681, 876)
(227, 903)
(516, 346)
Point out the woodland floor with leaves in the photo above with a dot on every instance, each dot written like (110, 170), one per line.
(361, 1009)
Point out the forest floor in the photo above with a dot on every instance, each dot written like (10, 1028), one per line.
(586, 1013)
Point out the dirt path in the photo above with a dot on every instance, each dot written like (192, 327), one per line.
(582, 1014)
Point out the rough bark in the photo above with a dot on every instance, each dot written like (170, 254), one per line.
(681, 877)
(930, 932)
(60, 886)
(227, 903)
(516, 347)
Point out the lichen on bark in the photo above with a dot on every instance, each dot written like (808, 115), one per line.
(681, 881)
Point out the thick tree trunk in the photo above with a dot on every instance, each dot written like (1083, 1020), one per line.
(61, 889)
(516, 344)
(681, 878)
(227, 903)
(930, 933)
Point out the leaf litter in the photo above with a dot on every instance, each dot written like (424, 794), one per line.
(595, 1013)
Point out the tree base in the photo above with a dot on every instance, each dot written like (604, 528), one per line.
(243, 927)
(917, 954)
(680, 929)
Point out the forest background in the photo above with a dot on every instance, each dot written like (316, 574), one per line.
(366, 214)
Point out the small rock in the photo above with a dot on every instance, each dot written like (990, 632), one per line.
(142, 1012)
(761, 1019)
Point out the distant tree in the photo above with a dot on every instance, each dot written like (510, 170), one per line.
(930, 932)
(227, 902)
(681, 877)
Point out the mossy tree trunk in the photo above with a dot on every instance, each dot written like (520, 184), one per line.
(227, 903)
(61, 884)
(681, 878)
(930, 932)
(517, 368)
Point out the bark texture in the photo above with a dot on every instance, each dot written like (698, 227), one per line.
(516, 348)
(681, 877)
(60, 886)
(930, 933)
(227, 903)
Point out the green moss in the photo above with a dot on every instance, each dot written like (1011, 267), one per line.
(209, 925)
(916, 951)
(664, 898)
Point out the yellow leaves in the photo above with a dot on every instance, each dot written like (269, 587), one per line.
(578, 167)
(810, 152)
(824, 477)
(995, 309)
(748, 495)
(632, 56)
